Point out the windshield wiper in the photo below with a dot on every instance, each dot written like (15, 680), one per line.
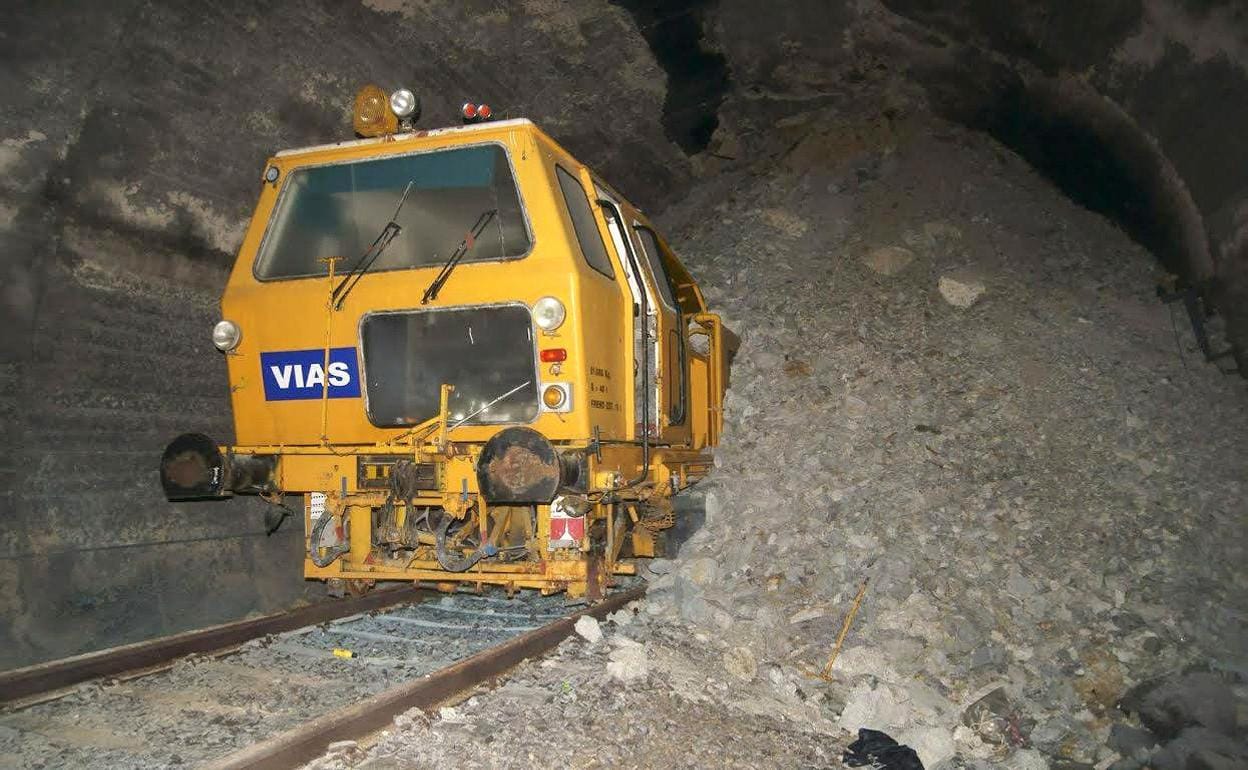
(371, 255)
(491, 403)
(449, 266)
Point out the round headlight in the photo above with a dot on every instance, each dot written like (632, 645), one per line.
(548, 313)
(403, 102)
(226, 335)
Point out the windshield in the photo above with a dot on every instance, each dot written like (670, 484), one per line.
(338, 210)
(485, 352)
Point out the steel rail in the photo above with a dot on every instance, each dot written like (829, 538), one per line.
(308, 741)
(54, 675)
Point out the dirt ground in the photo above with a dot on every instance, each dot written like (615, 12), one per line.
(642, 695)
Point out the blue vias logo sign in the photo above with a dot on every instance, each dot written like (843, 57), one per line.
(301, 374)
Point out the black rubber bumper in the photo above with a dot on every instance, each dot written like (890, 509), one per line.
(194, 468)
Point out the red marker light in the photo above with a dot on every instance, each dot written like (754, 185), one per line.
(554, 355)
(470, 110)
(484, 112)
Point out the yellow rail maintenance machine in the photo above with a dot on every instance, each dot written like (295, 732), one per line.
(475, 361)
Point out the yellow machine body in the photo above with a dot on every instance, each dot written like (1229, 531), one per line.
(401, 495)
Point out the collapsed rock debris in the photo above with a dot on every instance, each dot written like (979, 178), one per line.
(999, 433)
(1048, 506)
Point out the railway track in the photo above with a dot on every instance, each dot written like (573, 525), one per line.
(273, 693)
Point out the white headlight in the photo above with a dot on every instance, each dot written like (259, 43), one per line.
(226, 335)
(403, 102)
(548, 314)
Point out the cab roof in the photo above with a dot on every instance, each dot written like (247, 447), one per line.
(493, 125)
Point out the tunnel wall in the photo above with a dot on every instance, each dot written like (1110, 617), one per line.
(1134, 107)
(132, 142)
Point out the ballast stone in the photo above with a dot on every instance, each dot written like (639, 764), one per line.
(941, 231)
(622, 617)
(629, 663)
(587, 628)
(741, 663)
(933, 744)
(702, 572)
(888, 260)
(711, 508)
(961, 289)
(1131, 742)
(1027, 759)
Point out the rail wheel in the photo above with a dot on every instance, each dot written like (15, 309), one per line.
(360, 586)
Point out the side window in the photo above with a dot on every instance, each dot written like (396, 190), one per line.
(650, 245)
(583, 222)
(675, 341)
(676, 396)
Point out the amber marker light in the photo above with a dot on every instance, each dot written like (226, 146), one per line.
(553, 397)
(372, 115)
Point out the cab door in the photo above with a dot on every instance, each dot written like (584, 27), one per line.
(645, 321)
(674, 386)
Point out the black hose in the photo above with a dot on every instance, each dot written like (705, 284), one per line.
(457, 562)
(330, 554)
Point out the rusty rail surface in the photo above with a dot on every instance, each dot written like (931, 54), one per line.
(57, 674)
(308, 741)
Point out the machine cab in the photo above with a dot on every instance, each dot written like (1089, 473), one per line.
(464, 319)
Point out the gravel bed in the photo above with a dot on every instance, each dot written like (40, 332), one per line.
(640, 694)
(204, 708)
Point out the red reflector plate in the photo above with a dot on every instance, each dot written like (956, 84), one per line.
(554, 355)
(567, 529)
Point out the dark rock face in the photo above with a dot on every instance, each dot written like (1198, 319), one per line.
(697, 78)
(1051, 37)
(1128, 105)
(1195, 700)
(1191, 721)
(1129, 741)
(132, 141)
(1198, 748)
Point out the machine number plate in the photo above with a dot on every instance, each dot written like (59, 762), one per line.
(316, 505)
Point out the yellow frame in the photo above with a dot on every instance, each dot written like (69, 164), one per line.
(317, 440)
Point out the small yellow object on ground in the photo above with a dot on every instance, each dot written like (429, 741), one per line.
(341, 653)
(826, 674)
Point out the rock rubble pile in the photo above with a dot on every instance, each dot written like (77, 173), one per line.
(959, 386)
